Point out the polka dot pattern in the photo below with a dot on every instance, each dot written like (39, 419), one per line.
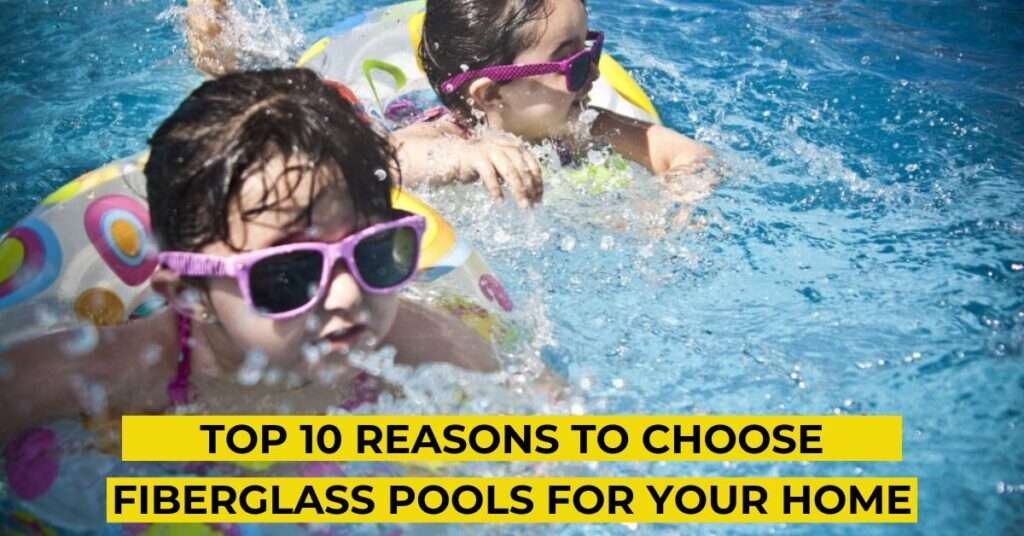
(30, 261)
(100, 306)
(118, 227)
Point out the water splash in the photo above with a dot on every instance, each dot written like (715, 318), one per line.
(261, 35)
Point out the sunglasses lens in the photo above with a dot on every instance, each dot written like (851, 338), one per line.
(285, 282)
(579, 72)
(387, 258)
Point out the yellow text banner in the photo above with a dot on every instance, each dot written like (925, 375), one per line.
(511, 438)
(512, 500)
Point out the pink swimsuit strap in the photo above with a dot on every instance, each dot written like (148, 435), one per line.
(177, 390)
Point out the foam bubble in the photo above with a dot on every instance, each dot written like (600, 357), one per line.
(81, 340)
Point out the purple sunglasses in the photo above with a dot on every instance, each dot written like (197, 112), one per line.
(576, 68)
(285, 281)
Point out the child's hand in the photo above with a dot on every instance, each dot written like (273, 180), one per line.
(688, 185)
(204, 32)
(496, 159)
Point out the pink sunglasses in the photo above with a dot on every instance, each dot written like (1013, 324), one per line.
(577, 69)
(285, 281)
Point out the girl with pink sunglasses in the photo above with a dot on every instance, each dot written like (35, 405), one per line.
(525, 67)
(280, 253)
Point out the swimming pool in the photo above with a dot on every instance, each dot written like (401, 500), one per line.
(865, 253)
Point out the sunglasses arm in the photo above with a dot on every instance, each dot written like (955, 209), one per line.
(197, 264)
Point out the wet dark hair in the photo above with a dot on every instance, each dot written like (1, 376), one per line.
(232, 127)
(474, 33)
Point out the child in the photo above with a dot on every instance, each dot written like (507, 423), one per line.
(522, 68)
(280, 253)
(526, 67)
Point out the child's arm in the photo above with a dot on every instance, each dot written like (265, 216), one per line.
(46, 378)
(659, 149)
(436, 152)
(203, 29)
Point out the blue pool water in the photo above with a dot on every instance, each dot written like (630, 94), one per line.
(864, 254)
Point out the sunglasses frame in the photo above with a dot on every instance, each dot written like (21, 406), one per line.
(505, 73)
(239, 266)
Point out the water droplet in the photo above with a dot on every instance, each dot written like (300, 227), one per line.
(577, 407)
(190, 296)
(618, 383)
(327, 375)
(252, 368)
(151, 354)
(865, 60)
(567, 244)
(313, 324)
(911, 168)
(362, 316)
(586, 383)
(381, 174)
(464, 67)
(82, 340)
(92, 396)
(597, 157)
(273, 376)
(607, 242)
(311, 353)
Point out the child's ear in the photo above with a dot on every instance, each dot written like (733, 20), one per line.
(183, 297)
(483, 94)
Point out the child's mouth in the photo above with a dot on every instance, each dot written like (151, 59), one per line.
(343, 340)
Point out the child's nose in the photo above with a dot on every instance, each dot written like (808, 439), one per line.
(343, 291)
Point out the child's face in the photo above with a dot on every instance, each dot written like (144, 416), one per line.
(347, 318)
(540, 107)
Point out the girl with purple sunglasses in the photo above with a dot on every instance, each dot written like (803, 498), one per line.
(525, 67)
(280, 251)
